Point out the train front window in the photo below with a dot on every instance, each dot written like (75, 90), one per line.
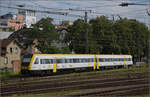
(36, 61)
(26, 60)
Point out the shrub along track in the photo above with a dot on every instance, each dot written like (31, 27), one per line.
(109, 84)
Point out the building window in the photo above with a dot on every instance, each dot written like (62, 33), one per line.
(16, 50)
(11, 50)
(5, 60)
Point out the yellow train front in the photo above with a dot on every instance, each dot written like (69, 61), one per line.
(51, 63)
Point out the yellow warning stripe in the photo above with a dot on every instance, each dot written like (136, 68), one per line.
(54, 64)
(125, 62)
(94, 64)
(98, 63)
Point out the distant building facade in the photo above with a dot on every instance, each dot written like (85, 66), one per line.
(29, 17)
(10, 55)
(15, 21)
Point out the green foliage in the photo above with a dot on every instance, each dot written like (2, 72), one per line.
(76, 36)
(132, 37)
(45, 31)
(65, 50)
(47, 49)
(103, 34)
(9, 74)
(124, 36)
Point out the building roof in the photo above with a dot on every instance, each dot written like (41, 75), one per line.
(6, 16)
(4, 35)
(5, 42)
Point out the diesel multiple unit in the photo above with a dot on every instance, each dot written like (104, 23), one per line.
(46, 63)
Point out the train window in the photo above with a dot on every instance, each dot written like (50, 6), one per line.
(101, 59)
(67, 61)
(83, 60)
(71, 60)
(128, 59)
(115, 59)
(46, 61)
(106, 60)
(36, 61)
(89, 60)
(76, 60)
(26, 60)
(60, 60)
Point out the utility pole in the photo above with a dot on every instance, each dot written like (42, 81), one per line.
(148, 12)
(86, 29)
(86, 26)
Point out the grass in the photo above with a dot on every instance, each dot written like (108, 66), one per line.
(9, 74)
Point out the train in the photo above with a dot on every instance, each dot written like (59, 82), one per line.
(52, 63)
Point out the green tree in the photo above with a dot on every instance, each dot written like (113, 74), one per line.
(45, 31)
(103, 35)
(75, 36)
(132, 36)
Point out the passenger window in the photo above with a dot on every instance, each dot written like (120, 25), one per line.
(36, 61)
(101, 59)
(67, 61)
(71, 60)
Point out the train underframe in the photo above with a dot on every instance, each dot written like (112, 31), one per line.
(63, 71)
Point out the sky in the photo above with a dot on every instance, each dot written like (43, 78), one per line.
(108, 8)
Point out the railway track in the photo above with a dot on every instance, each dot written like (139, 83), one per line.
(127, 90)
(111, 85)
(68, 77)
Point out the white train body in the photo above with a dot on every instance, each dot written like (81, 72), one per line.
(56, 62)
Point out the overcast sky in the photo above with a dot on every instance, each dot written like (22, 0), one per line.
(98, 7)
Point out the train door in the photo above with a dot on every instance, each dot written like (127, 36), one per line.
(96, 63)
(125, 62)
(54, 64)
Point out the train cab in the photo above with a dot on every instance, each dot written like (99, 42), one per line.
(25, 63)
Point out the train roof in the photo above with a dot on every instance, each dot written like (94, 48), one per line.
(78, 55)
